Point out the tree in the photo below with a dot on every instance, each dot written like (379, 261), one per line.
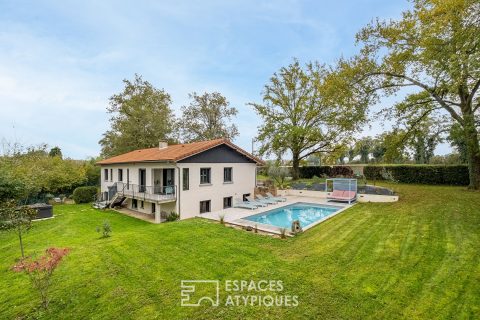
(278, 174)
(435, 49)
(31, 171)
(424, 139)
(314, 160)
(394, 146)
(55, 152)
(92, 172)
(378, 148)
(16, 218)
(208, 117)
(363, 148)
(40, 270)
(9, 186)
(140, 117)
(457, 140)
(299, 115)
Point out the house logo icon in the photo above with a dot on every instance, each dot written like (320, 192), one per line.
(195, 293)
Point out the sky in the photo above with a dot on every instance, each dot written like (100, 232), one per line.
(60, 61)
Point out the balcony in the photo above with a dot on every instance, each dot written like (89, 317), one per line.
(147, 193)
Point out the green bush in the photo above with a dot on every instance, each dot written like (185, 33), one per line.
(321, 171)
(173, 216)
(310, 172)
(84, 194)
(105, 229)
(338, 171)
(421, 174)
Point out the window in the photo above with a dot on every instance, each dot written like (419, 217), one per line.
(185, 176)
(154, 207)
(120, 175)
(204, 206)
(111, 174)
(227, 174)
(134, 204)
(227, 202)
(105, 174)
(245, 196)
(205, 176)
(128, 179)
(141, 205)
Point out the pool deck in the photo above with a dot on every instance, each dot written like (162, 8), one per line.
(234, 216)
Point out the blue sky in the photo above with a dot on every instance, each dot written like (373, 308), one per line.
(60, 61)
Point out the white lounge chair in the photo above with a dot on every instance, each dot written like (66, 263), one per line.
(265, 200)
(244, 205)
(255, 202)
(272, 197)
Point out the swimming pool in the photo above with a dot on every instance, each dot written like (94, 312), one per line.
(306, 213)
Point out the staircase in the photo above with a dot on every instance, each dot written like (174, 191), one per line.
(117, 200)
(100, 202)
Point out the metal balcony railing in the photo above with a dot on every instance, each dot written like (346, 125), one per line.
(143, 192)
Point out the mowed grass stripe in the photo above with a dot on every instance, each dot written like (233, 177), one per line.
(417, 258)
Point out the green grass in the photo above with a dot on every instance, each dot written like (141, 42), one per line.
(417, 258)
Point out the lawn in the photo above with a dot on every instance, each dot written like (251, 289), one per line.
(418, 258)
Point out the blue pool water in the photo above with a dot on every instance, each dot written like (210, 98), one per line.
(306, 213)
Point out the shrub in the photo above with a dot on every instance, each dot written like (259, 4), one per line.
(222, 218)
(84, 194)
(173, 216)
(337, 171)
(283, 233)
(319, 171)
(41, 270)
(278, 174)
(373, 172)
(105, 230)
(325, 171)
(421, 174)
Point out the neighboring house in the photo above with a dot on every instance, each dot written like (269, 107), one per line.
(186, 178)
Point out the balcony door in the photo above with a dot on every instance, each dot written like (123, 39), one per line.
(168, 177)
(142, 180)
(157, 181)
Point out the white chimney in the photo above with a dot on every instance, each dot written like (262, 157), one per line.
(162, 144)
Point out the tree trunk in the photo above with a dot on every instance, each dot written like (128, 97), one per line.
(473, 152)
(296, 165)
(21, 242)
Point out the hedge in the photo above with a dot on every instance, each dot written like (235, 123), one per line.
(421, 174)
(319, 171)
(84, 194)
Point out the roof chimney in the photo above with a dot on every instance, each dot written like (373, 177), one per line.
(162, 144)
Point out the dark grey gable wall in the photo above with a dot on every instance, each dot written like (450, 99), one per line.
(218, 154)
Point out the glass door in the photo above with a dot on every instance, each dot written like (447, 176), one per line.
(142, 179)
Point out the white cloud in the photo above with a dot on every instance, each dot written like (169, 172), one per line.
(60, 62)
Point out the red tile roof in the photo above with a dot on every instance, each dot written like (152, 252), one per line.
(174, 153)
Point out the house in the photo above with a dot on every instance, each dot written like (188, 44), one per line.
(187, 179)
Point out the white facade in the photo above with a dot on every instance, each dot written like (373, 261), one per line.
(185, 202)
(243, 182)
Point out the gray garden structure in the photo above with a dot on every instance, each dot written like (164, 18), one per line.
(342, 189)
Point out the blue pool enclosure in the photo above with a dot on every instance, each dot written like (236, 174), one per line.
(306, 213)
